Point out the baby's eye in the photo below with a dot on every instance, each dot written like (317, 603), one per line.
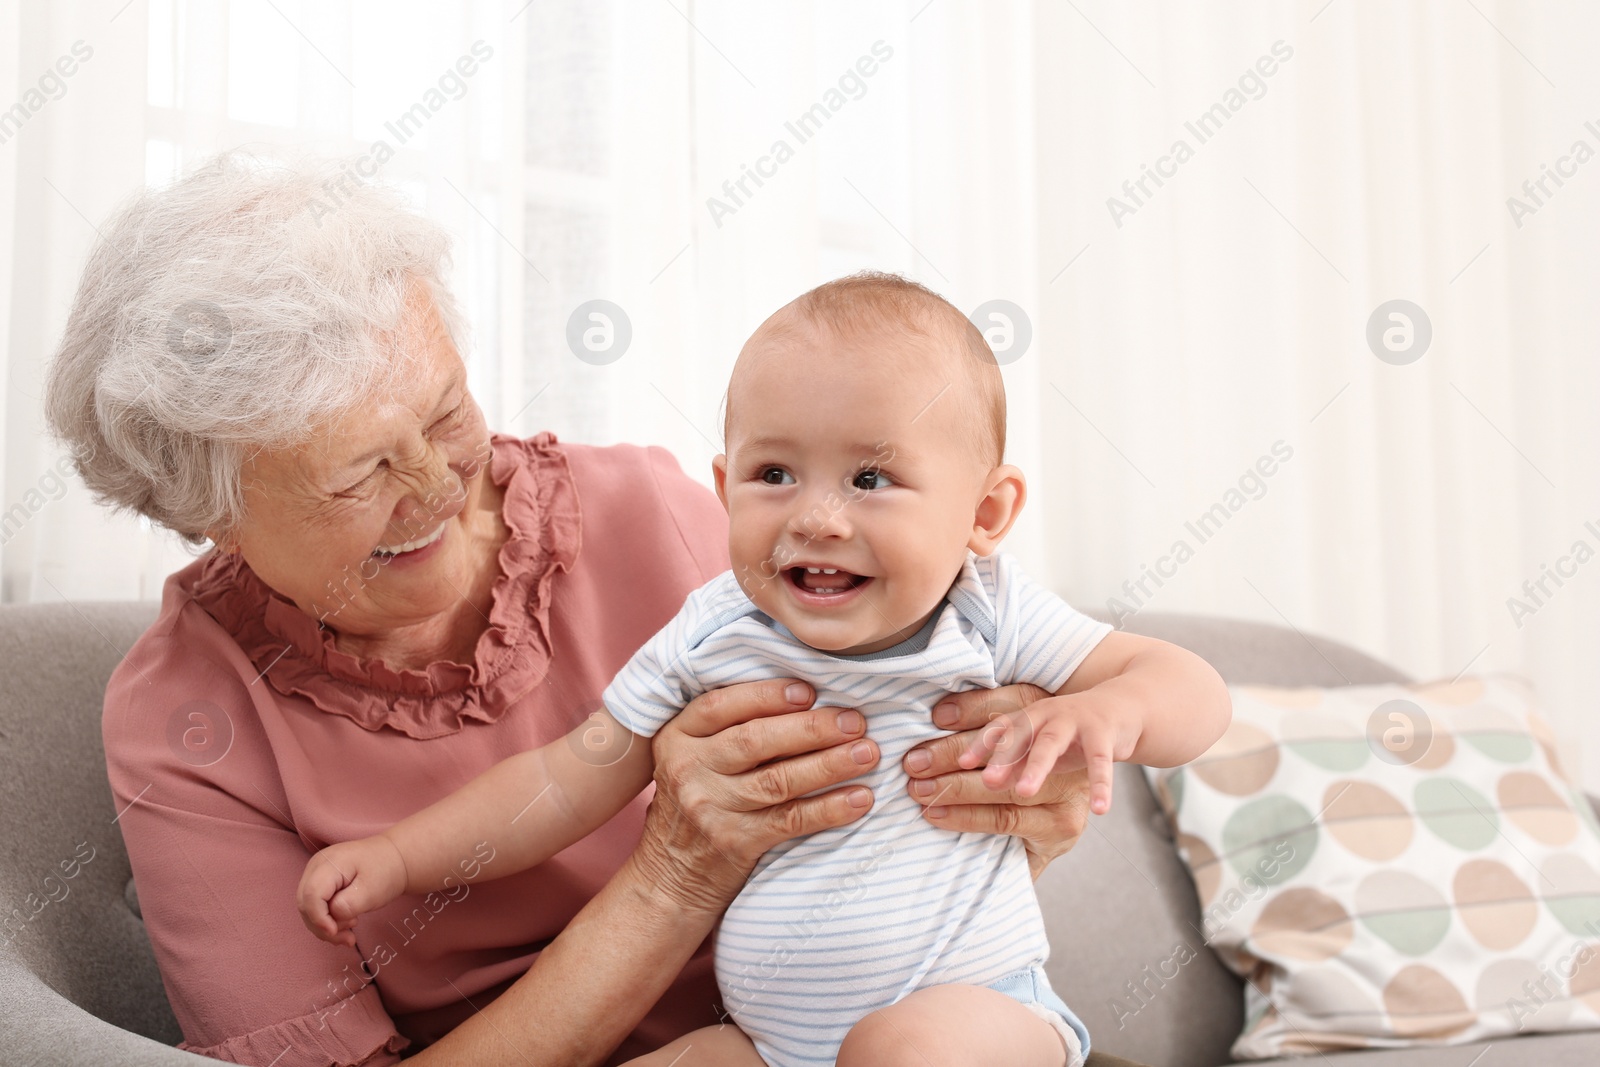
(774, 476)
(871, 479)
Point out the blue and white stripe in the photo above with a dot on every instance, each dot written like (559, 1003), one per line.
(835, 925)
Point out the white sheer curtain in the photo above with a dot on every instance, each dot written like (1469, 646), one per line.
(576, 164)
(973, 146)
(1229, 312)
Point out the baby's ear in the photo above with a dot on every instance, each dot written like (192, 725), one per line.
(719, 477)
(1005, 490)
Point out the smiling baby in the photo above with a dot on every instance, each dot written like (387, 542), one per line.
(867, 496)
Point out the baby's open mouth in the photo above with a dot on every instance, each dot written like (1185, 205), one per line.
(825, 581)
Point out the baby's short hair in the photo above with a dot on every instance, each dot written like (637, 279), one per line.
(873, 301)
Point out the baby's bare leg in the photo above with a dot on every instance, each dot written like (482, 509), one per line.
(714, 1046)
(958, 1025)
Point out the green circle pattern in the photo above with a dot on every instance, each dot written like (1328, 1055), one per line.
(1456, 813)
(1502, 745)
(1333, 754)
(1175, 782)
(1271, 839)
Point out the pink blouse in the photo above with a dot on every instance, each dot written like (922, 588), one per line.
(240, 741)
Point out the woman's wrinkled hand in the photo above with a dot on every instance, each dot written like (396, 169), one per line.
(732, 773)
(1049, 822)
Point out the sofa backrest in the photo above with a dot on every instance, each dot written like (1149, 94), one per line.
(63, 871)
(1124, 921)
(1118, 907)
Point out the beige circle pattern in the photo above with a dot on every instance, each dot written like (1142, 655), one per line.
(1532, 804)
(1203, 867)
(1378, 930)
(1367, 819)
(1241, 762)
(1422, 1003)
(1504, 988)
(1585, 970)
(1498, 909)
(1302, 924)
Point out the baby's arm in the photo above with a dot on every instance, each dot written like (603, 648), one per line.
(527, 808)
(1133, 699)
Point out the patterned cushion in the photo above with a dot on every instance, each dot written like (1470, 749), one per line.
(1392, 865)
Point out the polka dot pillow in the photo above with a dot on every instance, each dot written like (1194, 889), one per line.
(1392, 865)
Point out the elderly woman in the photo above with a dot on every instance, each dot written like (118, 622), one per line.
(393, 599)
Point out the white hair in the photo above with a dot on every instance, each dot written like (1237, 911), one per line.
(239, 309)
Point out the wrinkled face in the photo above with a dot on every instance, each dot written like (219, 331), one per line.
(363, 527)
(851, 485)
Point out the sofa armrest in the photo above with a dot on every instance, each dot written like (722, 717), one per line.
(40, 1026)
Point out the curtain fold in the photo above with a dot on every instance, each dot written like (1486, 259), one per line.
(75, 147)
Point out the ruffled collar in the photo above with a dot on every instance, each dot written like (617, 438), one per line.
(297, 656)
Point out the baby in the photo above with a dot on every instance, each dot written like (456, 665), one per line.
(866, 498)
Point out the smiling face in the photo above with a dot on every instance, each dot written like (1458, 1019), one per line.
(852, 482)
(387, 519)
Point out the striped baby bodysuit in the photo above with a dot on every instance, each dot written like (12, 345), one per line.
(832, 926)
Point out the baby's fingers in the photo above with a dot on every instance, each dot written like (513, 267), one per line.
(333, 922)
(354, 900)
(314, 913)
(1052, 741)
(319, 884)
(984, 741)
(346, 934)
(1099, 758)
(1006, 743)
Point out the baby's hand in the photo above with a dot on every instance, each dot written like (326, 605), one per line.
(346, 880)
(1060, 733)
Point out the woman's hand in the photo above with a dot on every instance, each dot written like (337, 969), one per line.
(1049, 822)
(731, 770)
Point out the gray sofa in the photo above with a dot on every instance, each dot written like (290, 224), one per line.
(78, 983)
